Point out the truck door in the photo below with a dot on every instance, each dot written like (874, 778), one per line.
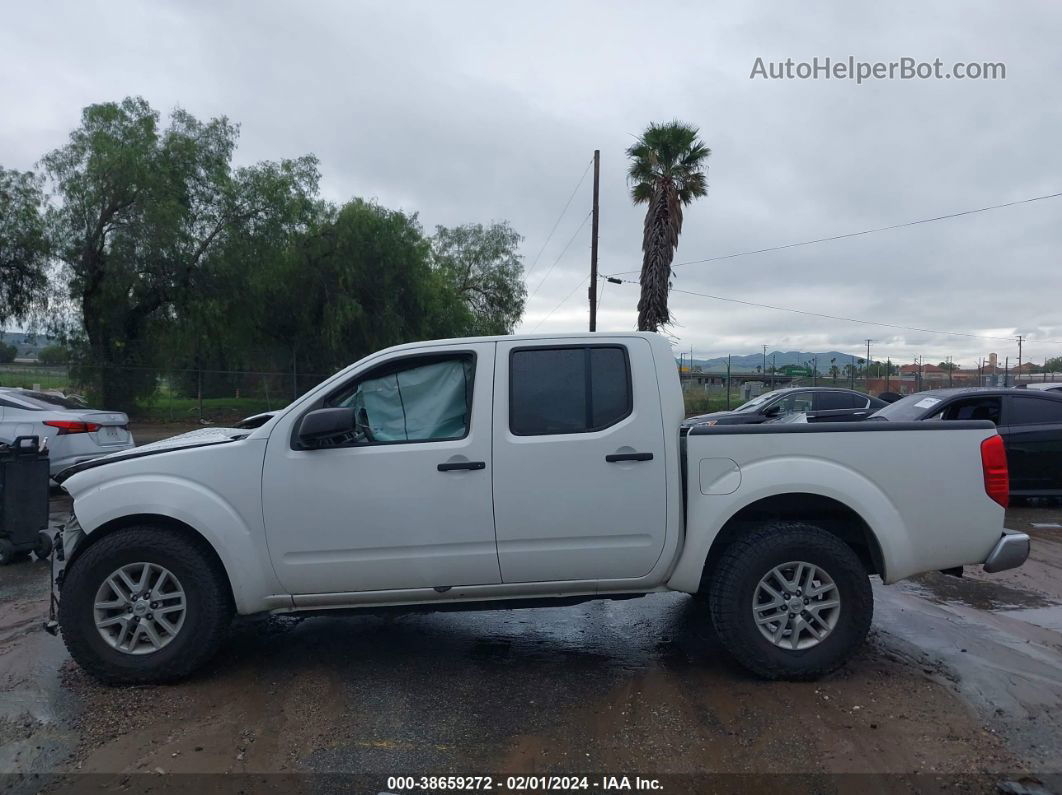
(404, 501)
(579, 470)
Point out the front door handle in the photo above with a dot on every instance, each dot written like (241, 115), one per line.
(455, 465)
(614, 457)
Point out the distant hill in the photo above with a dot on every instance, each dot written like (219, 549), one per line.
(748, 363)
(25, 343)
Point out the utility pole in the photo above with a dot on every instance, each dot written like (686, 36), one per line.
(1019, 358)
(764, 362)
(728, 382)
(593, 243)
(866, 373)
(888, 372)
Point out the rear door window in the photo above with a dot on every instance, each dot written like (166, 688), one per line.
(568, 390)
(828, 401)
(1033, 411)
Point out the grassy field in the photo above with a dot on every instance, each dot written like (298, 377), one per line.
(171, 408)
(25, 376)
(163, 407)
(703, 402)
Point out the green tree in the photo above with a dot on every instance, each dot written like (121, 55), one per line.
(360, 279)
(1053, 365)
(483, 266)
(7, 353)
(143, 212)
(54, 355)
(948, 366)
(877, 369)
(667, 172)
(24, 247)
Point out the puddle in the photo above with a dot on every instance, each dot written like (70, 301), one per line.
(979, 594)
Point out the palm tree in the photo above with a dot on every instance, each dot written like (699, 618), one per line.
(667, 172)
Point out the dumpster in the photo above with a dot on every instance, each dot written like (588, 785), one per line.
(23, 500)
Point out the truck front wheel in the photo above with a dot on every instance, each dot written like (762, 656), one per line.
(790, 601)
(144, 604)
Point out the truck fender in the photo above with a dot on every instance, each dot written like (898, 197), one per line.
(707, 515)
(241, 548)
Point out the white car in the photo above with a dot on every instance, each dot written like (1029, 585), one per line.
(73, 434)
(1043, 386)
(512, 471)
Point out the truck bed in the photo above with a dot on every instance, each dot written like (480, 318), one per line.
(918, 487)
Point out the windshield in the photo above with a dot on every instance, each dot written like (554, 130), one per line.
(756, 402)
(912, 407)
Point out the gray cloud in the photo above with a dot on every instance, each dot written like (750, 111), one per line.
(480, 111)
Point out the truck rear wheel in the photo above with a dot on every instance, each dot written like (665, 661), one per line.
(790, 601)
(144, 604)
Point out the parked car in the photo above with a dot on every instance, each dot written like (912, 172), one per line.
(1043, 386)
(820, 404)
(1029, 421)
(518, 471)
(73, 433)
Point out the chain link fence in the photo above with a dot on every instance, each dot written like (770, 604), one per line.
(186, 395)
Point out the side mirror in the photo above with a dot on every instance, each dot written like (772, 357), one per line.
(773, 411)
(324, 424)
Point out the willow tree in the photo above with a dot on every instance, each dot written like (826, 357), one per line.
(667, 172)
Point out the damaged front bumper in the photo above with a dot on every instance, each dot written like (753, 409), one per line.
(1011, 551)
(64, 540)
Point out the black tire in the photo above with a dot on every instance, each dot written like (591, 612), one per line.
(732, 588)
(7, 552)
(208, 602)
(44, 546)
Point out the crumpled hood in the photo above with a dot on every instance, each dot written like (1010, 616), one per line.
(201, 437)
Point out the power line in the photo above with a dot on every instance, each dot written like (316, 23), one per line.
(559, 256)
(862, 232)
(832, 317)
(559, 217)
(565, 300)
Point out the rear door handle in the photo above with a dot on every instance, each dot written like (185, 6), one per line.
(455, 465)
(614, 457)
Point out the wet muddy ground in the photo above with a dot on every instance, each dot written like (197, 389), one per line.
(959, 678)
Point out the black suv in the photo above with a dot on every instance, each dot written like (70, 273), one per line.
(820, 404)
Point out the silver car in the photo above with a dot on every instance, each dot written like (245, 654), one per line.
(1048, 386)
(72, 432)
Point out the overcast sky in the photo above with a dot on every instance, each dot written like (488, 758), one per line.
(468, 112)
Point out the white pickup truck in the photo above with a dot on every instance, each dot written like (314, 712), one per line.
(518, 471)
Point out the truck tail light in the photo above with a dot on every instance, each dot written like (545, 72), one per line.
(72, 426)
(994, 464)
